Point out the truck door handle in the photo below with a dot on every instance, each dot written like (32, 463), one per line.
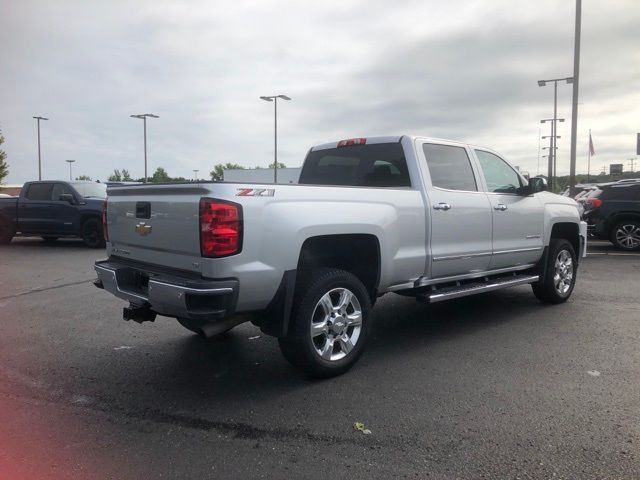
(442, 206)
(501, 206)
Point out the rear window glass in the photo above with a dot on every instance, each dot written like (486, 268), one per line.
(39, 191)
(378, 165)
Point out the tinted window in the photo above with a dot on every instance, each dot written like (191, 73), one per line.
(380, 165)
(449, 167)
(59, 189)
(627, 192)
(39, 191)
(500, 176)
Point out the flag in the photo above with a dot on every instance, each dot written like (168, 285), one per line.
(591, 150)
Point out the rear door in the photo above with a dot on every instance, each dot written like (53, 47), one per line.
(34, 214)
(518, 220)
(460, 212)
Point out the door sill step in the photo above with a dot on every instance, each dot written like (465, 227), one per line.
(448, 293)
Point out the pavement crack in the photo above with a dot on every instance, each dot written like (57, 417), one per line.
(45, 289)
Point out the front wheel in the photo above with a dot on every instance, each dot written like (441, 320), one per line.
(329, 324)
(91, 233)
(560, 275)
(626, 235)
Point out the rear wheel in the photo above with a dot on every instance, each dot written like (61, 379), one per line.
(329, 324)
(6, 233)
(626, 235)
(91, 233)
(560, 276)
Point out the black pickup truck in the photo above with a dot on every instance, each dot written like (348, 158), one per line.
(54, 209)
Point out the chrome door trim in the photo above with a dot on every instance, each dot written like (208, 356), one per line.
(462, 257)
(518, 250)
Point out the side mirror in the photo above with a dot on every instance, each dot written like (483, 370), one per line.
(66, 197)
(538, 184)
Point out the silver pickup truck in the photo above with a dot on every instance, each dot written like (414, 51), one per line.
(432, 219)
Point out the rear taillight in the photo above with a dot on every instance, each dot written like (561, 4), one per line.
(220, 228)
(594, 202)
(105, 228)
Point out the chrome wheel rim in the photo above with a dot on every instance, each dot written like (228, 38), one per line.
(563, 276)
(628, 236)
(336, 324)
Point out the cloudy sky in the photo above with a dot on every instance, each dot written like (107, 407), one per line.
(464, 70)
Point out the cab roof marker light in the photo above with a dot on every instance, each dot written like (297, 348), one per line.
(352, 141)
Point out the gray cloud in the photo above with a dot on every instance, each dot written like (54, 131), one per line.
(462, 70)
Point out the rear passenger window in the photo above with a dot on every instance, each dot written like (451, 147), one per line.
(626, 192)
(450, 167)
(39, 191)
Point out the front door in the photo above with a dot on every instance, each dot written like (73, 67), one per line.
(460, 212)
(518, 220)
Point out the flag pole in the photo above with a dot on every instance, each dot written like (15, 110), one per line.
(589, 159)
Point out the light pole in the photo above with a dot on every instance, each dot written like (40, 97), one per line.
(274, 99)
(552, 148)
(144, 116)
(70, 162)
(542, 83)
(574, 100)
(39, 159)
(195, 174)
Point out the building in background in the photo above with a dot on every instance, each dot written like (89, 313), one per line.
(262, 175)
(13, 190)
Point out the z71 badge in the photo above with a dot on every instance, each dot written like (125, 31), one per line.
(255, 192)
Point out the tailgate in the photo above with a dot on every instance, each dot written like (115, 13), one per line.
(157, 224)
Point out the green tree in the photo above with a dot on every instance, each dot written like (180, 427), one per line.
(116, 177)
(125, 176)
(84, 177)
(217, 174)
(280, 165)
(160, 176)
(4, 167)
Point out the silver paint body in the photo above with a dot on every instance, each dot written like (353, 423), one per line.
(419, 244)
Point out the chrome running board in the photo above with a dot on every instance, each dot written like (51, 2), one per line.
(457, 291)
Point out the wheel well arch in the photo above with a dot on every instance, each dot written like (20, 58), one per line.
(569, 231)
(356, 253)
(622, 216)
(89, 216)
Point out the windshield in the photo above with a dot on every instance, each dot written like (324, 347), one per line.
(91, 190)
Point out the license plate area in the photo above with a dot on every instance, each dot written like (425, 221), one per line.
(134, 281)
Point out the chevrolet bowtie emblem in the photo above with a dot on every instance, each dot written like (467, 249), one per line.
(143, 229)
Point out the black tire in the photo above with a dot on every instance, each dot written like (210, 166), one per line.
(625, 235)
(546, 290)
(6, 233)
(301, 350)
(197, 327)
(49, 238)
(91, 233)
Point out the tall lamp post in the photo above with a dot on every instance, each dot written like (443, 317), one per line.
(274, 99)
(542, 83)
(39, 158)
(144, 116)
(70, 162)
(195, 174)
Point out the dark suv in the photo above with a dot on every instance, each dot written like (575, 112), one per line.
(612, 212)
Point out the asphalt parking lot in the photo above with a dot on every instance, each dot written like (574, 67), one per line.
(493, 386)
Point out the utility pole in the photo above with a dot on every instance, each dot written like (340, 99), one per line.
(39, 158)
(631, 161)
(195, 174)
(574, 107)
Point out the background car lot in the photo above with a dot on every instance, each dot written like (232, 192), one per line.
(495, 385)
